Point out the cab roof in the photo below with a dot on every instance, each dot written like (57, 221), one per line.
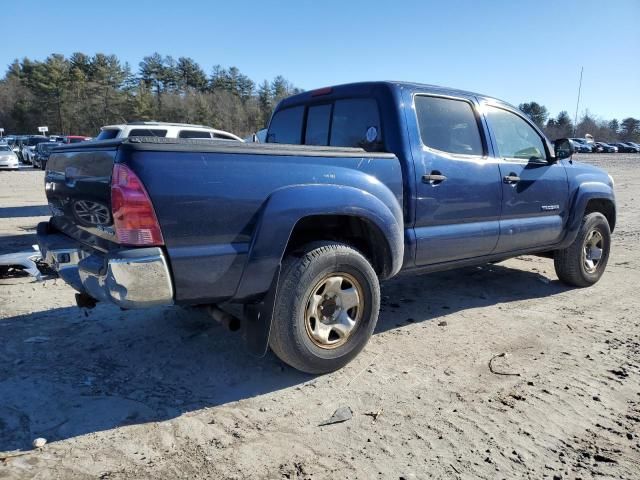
(364, 88)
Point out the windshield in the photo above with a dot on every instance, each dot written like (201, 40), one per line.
(5, 148)
(108, 134)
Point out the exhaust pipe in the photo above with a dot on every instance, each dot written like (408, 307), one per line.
(227, 320)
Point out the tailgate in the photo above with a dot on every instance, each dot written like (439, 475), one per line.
(78, 189)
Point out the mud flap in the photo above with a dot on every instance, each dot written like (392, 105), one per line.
(257, 320)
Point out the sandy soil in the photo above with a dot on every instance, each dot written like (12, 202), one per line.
(167, 393)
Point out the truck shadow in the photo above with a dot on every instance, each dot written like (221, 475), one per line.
(65, 372)
(428, 297)
(25, 211)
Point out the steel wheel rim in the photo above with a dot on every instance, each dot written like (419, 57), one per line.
(333, 310)
(592, 251)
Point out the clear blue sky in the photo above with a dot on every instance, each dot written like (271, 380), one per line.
(515, 50)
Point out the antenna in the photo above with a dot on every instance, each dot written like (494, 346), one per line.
(575, 121)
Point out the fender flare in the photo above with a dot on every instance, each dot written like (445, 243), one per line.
(282, 211)
(584, 193)
(287, 206)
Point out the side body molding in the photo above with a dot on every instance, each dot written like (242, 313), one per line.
(287, 206)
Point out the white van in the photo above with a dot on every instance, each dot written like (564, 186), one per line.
(163, 129)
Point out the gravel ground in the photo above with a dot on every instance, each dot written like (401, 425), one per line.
(167, 393)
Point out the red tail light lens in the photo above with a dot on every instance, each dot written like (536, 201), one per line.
(133, 216)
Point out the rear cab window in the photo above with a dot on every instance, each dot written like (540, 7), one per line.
(448, 125)
(348, 122)
(286, 126)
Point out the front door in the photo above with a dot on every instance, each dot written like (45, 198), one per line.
(534, 190)
(458, 189)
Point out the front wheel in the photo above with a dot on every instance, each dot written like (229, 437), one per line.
(582, 263)
(326, 309)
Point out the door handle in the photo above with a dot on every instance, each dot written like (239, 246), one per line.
(511, 179)
(434, 178)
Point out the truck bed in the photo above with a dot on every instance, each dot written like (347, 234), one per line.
(210, 198)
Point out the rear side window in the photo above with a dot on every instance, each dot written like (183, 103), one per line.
(108, 134)
(147, 132)
(448, 125)
(222, 136)
(194, 134)
(317, 132)
(286, 126)
(356, 123)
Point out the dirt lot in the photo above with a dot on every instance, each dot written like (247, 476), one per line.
(167, 393)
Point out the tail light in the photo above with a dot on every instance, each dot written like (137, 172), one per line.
(134, 219)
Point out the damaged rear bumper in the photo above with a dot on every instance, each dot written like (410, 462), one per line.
(130, 278)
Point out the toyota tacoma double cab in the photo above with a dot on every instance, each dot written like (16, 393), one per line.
(354, 185)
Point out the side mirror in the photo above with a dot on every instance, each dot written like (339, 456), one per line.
(563, 148)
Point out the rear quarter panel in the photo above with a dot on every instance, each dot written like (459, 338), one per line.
(209, 205)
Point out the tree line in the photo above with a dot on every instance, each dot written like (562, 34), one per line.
(562, 126)
(81, 93)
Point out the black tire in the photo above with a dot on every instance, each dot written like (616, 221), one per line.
(290, 337)
(570, 263)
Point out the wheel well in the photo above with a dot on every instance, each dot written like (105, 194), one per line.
(603, 206)
(355, 231)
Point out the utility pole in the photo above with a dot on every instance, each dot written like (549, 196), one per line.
(575, 121)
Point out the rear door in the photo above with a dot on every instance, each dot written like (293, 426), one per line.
(535, 191)
(458, 186)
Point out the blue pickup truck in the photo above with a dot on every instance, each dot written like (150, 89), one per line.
(356, 184)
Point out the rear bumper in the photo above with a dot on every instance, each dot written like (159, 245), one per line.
(133, 278)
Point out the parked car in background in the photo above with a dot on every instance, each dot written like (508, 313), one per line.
(8, 158)
(29, 147)
(355, 184)
(582, 145)
(43, 150)
(607, 148)
(17, 146)
(163, 130)
(634, 145)
(596, 147)
(624, 148)
(74, 139)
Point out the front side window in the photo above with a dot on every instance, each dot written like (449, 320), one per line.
(515, 138)
(286, 126)
(448, 125)
(317, 132)
(356, 123)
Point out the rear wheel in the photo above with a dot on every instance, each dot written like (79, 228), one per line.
(326, 309)
(583, 262)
